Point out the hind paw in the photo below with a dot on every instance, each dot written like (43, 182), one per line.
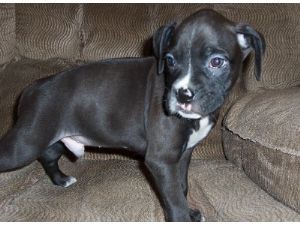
(196, 216)
(64, 181)
(71, 180)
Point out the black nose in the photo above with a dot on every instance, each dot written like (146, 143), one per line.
(184, 95)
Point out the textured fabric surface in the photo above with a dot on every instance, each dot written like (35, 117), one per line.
(263, 139)
(97, 31)
(117, 190)
(106, 191)
(48, 30)
(7, 32)
(271, 118)
(233, 195)
(276, 172)
(122, 30)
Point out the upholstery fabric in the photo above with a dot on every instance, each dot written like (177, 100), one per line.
(116, 190)
(7, 32)
(276, 172)
(124, 30)
(47, 31)
(271, 118)
(263, 139)
(97, 31)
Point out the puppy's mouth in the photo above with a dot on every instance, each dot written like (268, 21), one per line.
(187, 107)
(185, 110)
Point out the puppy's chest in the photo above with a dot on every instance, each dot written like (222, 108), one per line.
(196, 136)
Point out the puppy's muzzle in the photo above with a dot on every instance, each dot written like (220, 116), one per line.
(185, 95)
(182, 102)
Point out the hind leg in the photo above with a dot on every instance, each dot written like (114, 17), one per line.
(20, 147)
(49, 160)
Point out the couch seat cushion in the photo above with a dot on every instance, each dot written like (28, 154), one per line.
(118, 190)
(263, 139)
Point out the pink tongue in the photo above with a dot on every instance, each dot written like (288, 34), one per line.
(187, 107)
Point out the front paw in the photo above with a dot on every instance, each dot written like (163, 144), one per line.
(196, 216)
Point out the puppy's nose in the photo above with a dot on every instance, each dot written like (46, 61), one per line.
(185, 95)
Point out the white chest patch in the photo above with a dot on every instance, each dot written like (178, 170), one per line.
(197, 136)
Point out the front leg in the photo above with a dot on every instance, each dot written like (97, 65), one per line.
(184, 167)
(166, 145)
(166, 179)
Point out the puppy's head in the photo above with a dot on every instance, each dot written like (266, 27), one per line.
(201, 59)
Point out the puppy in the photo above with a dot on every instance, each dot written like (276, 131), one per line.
(159, 107)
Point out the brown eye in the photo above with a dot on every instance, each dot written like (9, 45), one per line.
(216, 62)
(170, 60)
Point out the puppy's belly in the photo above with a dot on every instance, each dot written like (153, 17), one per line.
(75, 144)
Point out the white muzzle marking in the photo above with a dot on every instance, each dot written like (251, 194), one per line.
(184, 81)
(189, 115)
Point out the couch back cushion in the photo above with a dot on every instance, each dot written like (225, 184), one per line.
(48, 30)
(124, 30)
(7, 32)
(96, 31)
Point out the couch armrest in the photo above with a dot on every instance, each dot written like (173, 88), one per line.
(261, 136)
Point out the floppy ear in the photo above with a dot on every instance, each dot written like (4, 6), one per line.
(161, 40)
(249, 40)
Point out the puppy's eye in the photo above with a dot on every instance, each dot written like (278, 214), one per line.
(216, 62)
(170, 60)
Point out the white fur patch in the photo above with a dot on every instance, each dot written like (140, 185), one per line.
(242, 41)
(197, 136)
(185, 81)
(189, 115)
(72, 180)
(74, 146)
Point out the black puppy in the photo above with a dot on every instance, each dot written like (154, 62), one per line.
(124, 103)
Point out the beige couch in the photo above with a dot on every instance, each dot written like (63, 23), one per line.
(248, 169)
